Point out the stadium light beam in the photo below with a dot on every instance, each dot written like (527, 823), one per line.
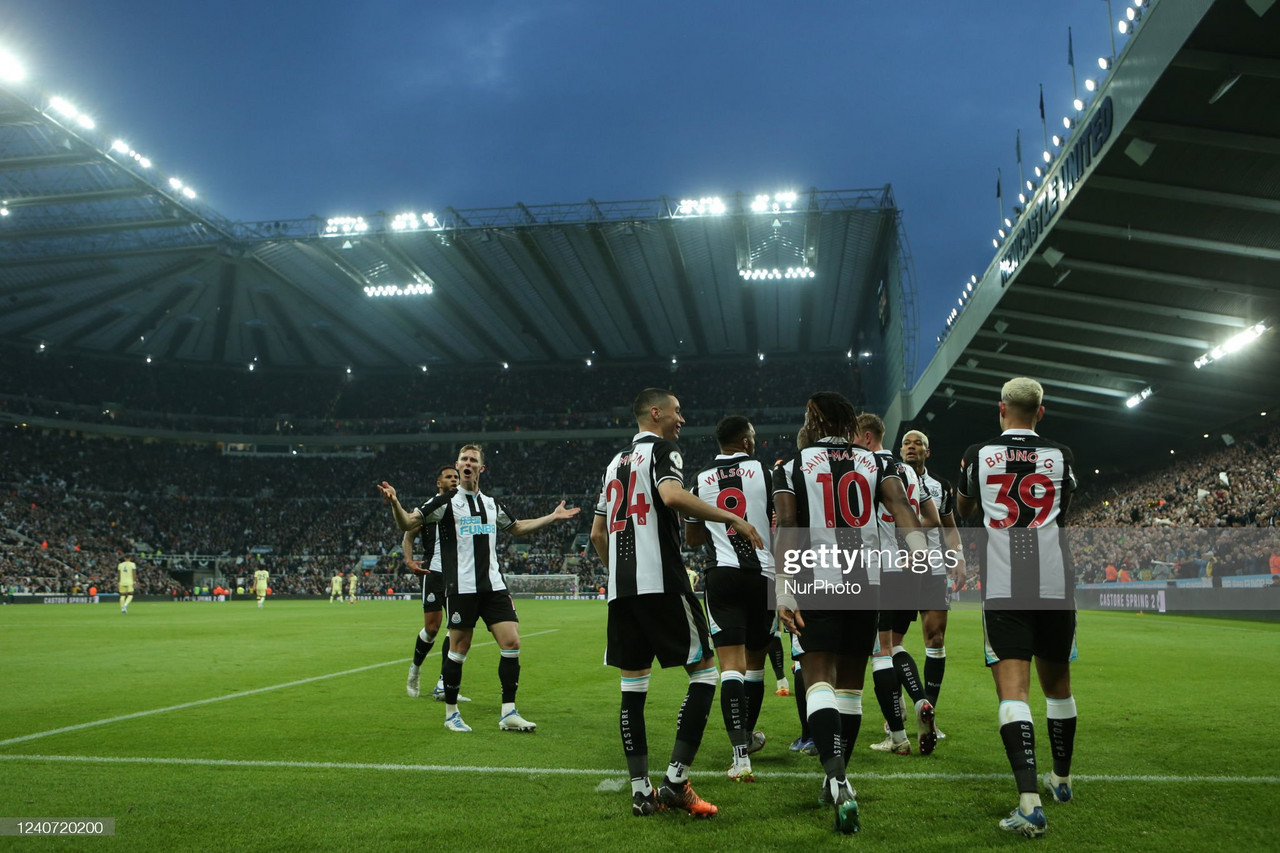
(415, 289)
(1137, 399)
(1233, 344)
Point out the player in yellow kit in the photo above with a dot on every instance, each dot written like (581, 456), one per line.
(127, 569)
(351, 587)
(260, 578)
(335, 587)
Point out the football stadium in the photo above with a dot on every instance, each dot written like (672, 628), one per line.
(262, 479)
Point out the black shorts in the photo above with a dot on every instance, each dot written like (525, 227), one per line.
(465, 609)
(1049, 635)
(669, 626)
(433, 597)
(935, 592)
(899, 596)
(841, 632)
(897, 621)
(738, 603)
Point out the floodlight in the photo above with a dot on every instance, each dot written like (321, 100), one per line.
(1090, 84)
(63, 106)
(1233, 344)
(760, 356)
(85, 122)
(11, 71)
(995, 243)
(188, 192)
(1104, 63)
(1131, 13)
(969, 287)
(120, 146)
(1123, 27)
(1078, 104)
(1008, 223)
(4, 211)
(346, 225)
(1066, 122)
(1057, 141)
(1139, 397)
(701, 206)
(175, 183)
(144, 162)
(1030, 186)
(1047, 157)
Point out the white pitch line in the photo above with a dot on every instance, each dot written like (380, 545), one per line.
(240, 695)
(612, 772)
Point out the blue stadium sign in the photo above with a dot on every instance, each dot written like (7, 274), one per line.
(1072, 166)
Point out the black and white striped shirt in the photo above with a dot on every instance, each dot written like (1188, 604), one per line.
(644, 533)
(836, 486)
(740, 485)
(887, 530)
(467, 525)
(944, 499)
(1022, 480)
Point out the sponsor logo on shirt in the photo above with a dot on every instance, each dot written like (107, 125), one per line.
(471, 525)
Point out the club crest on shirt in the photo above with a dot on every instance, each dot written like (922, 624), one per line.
(431, 597)
(456, 618)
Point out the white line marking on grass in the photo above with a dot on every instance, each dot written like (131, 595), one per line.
(240, 695)
(580, 771)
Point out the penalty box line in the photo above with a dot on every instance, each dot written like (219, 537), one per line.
(240, 695)
(609, 773)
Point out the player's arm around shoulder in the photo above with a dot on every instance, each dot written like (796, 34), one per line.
(674, 495)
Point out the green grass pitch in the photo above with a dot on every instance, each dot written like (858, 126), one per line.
(1176, 746)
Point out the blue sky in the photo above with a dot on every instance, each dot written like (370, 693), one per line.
(284, 110)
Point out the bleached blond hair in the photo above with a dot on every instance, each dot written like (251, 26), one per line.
(924, 439)
(1023, 395)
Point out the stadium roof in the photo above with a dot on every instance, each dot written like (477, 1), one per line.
(101, 251)
(1153, 239)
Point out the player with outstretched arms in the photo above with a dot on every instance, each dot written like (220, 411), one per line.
(467, 525)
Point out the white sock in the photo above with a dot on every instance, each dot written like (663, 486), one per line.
(507, 708)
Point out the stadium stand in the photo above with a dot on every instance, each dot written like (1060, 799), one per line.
(71, 504)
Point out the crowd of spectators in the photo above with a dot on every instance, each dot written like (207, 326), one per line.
(70, 505)
(266, 401)
(1212, 513)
